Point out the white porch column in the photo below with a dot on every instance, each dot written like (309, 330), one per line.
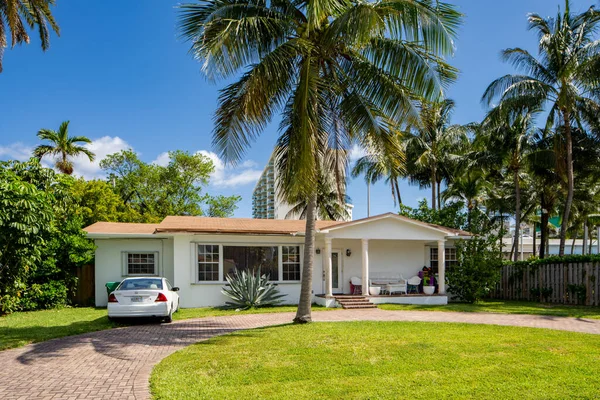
(365, 267)
(442, 267)
(327, 266)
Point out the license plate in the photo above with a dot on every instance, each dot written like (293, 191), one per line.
(137, 299)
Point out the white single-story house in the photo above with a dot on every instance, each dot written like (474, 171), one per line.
(197, 253)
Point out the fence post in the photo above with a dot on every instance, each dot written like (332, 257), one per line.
(588, 286)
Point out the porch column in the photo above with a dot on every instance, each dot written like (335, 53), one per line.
(365, 267)
(327, 266)
(442, 267)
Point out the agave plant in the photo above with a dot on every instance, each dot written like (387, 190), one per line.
(248, 290)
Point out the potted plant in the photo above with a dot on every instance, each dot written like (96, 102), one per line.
(428, 286)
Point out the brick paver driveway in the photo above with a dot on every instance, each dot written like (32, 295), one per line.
(116, 364)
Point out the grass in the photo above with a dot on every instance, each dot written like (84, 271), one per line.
(384, 360)
(20, 329)
(506, 307)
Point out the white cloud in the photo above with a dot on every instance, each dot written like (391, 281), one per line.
(162, 159)
(355, 153)
(16, 151)
(101, 148)
(229, 176)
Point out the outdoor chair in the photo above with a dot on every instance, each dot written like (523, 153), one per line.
(413, 283)
(401, 286)
(355, 285)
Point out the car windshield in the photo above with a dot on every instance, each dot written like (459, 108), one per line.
(144, 283)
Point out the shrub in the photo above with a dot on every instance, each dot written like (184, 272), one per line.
(477, 271)
(247, 290)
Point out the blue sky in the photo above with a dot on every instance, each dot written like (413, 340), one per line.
(124, 79)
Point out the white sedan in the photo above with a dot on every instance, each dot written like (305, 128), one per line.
(144, 297)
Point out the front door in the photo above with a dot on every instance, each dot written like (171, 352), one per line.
(337, 281)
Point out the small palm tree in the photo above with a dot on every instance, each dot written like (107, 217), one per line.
(63, 147)
(16, 15)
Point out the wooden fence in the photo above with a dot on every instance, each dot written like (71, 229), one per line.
(85, 285)
(566, 283)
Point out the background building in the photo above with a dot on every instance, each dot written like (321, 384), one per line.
(266, 204)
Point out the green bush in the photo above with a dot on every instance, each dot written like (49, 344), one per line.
(477, 271)
(247, 290)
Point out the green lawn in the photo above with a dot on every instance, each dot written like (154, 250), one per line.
(22, 328)
(384, 360)
(507, 307)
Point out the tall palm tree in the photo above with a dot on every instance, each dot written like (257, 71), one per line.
(16, 15)
(509, 135)
(63, 147)
(434, 146)
(564, 78)
(339, 70)
(470, 188)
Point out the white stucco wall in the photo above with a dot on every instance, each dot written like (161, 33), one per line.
(109, 260)
(194, 294)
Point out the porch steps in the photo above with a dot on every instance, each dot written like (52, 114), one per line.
(354, 302)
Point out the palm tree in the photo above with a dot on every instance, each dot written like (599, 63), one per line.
(63, 147)
(390, 167)
(471, 189)
(339, 70)
(331, 205)
(16, 15)
(564, 77)
(509, 134)
(434, 146)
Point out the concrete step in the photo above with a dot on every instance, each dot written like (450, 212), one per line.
(353, 307)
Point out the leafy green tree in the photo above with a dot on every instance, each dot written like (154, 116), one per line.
(26, 218)
(434, 146)
(151, 192)
(222, 206)
(341, 71)
(16, 15)
(99, 202)
(469, 188)
(40, 236)
(452, 215)
(63, 147)
(478, 268)
(564, 78)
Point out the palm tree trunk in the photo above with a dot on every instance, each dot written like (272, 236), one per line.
(517, 213)
(534, 240)
(433, 191)
(543, 227)
(303, 315)
(439, 195)
(570, 184)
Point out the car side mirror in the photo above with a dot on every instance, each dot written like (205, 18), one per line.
(175, 289)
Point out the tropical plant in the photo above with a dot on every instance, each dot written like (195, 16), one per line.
(470, 188)
(478, 268)
(564, 78)
(434, 146)
(63, 147)
(329, 206)
(508, 136)
(16, 15)
(389, 167)
(248, 290)
(341, 71)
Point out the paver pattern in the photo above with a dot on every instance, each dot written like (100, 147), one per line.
(116, 364)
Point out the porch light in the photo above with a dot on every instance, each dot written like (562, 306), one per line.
(348, 252)
(318, 250)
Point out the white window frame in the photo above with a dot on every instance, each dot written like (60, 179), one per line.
(219, 263)
(125, 262)
(446, 258)
(281, 262)
(221, 281)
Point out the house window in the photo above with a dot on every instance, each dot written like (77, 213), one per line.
(251, 259)
(141, 263)
(450, 257)
(208, 262)
(291, 263)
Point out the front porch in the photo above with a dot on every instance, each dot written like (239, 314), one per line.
(335, 301)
